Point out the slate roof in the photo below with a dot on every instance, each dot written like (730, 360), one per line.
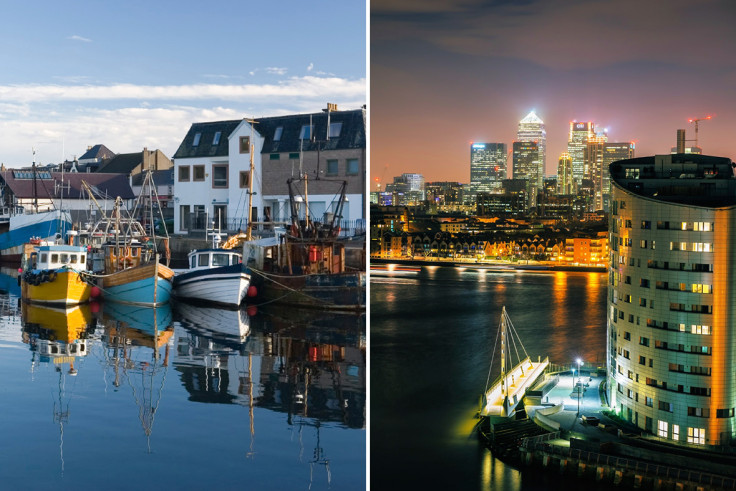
(123, 163)
(160, 178)
(111, 184)
(352, 134)
(98, 151)
(207, 133)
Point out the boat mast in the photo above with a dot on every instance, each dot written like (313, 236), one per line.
(504, 382)
(249, 230)
(35, 193)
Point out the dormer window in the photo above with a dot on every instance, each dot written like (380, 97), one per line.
(197, 137)
(216, 139)
(306, 132)
(335, 129)
(277, 133)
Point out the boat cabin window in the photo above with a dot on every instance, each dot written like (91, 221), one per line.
(219, 259)
(236, 259)
(54, 258)
(64, 258)
(44, 256)
(194, 262)
(204, 259)
(73, 258)
(82, 260)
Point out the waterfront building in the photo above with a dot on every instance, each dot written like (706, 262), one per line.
(213, 179)
(487, 167)
(565, 180)
(527, 166)
(580, 134)
(594, 166)
(671, 328)
(531, 129)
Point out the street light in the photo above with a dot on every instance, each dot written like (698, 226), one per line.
(579, 387)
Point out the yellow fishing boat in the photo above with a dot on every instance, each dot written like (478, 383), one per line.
(55, 274)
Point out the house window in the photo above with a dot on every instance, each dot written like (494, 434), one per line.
(353, 167)
(332, 167)
(675, 432)
(306, 132)
(197, 137)
(220, 217)
(294, 155)
(216, 138)
(696, 435)
(244, 144)
(335, 129)
(198, 171)
(274, 156)
(200, 217)
(184, 173)
(219, 176)
(244, 179)
(662, 429)
(277, 133)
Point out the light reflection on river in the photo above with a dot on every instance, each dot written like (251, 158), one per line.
(432, 334)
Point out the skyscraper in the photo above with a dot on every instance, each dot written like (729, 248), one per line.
(611, 153)
(487, 167)
(526, 166)
(565, 182)
(671, 345)
(594, 166)
(531, 129)
(577, 143)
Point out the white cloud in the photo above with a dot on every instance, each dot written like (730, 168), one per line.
(79, 38)
(296, 87)
(309, 68)
(276, 70)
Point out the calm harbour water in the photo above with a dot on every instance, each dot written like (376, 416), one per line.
(211, 399)
(432, 335)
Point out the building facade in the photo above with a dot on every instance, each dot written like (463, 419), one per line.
(214, 182)
(580, 134)
(527, 166)
(487, 167)
(531, 129)
(565, 181)
(672, 297)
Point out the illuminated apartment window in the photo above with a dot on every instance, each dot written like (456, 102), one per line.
(696, 435)
(675, 432)
(662, 428)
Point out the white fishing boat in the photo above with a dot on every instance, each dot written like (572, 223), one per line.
(216, 276)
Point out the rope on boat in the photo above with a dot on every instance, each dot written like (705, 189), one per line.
(291, 290)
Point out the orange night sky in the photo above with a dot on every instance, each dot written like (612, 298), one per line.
(445, 73)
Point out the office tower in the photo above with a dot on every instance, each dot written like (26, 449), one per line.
(565, 181)
(577, 143)
(487, 167)
(611, 153)
(409, 188)
(671, 344)
(594, 166)
(531, 129)
(526, 166)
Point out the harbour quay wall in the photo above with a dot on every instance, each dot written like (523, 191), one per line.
(625, 473)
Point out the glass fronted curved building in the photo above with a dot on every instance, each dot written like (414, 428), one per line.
(672, 296)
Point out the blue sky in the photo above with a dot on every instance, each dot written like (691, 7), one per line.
(136, 74)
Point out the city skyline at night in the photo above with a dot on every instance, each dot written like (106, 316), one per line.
(440, 74)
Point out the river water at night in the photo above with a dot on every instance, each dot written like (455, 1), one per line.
(432, 337)
(180, 397)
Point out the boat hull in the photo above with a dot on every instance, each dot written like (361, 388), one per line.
(225, 285)
(21, 228)
(67, 288)
(341, 291)
(148, 285)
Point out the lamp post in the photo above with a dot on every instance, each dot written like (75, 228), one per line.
(579, 386)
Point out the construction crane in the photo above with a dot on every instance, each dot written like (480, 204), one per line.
(696, 121)
(380, 180)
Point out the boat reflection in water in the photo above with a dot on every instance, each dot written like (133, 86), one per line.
(134, 338)
(229, 326)
(57, 336)
(306, 364)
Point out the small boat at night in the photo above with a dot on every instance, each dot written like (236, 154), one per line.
(56, 274)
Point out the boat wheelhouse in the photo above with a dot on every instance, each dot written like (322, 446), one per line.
(55, 274)
(215, 276)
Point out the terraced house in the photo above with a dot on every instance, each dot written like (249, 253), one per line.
(213, 179)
